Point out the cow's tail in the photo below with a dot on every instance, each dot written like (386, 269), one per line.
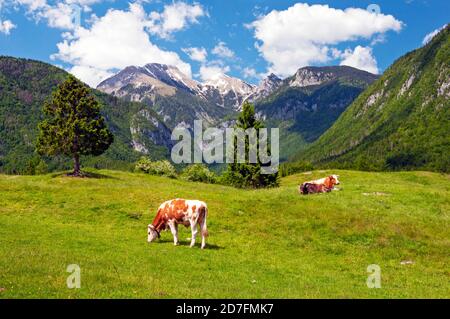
(202, 220)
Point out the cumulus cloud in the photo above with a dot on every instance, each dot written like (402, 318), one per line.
(432, 34)
(175, 17)
(6, 26)
(305, 34)
(196, 54)
(64, 14)
(212, 71)
(249, 73)
(222, 50)
(113, 42)
(360, 58)
(32, 5)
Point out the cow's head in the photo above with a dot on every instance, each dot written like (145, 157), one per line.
(331, 180)
(335, 179)
(152, 233)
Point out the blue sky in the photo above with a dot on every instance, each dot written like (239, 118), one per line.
(246, 39)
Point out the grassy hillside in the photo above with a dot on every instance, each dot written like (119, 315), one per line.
(402, 121)
(265, 243)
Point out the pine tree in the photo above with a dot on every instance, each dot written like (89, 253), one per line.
(248, 174)
(73, 125)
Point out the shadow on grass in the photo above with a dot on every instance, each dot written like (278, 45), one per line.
(187, 244)
(84, 175)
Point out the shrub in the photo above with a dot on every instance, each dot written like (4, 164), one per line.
(160, 168)
(199, 173)
(41, 168)
(249, 176)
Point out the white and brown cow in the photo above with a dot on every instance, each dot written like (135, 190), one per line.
(323, 185)
(191, 213)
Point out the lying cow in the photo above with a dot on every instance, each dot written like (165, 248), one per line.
(310, 188)
(180, 211)
(323, 185)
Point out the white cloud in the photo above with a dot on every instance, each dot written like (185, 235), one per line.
(303, 34)
(196, 54)
(212, 71)
(32, 5)
(61, 16)
(64, 14)
(432, 34)
(360, 58)
(379, 38)
(6, 26)
(114, 41)
(91, 75)
(175, 17)
(222, 50)
(249, 72)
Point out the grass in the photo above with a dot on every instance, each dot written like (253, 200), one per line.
(263, 243)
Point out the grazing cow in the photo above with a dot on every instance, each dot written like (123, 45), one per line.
(180, 211)
(323, 185)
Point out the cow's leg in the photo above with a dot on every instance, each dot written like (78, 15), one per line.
(194, 232)
(174, 229)
(204, 232)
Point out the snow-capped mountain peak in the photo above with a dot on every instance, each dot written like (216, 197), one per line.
(153, 75)
(225, 84)
(171, 75)
(266, 87)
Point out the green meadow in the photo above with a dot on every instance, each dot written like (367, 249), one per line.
(270, 243)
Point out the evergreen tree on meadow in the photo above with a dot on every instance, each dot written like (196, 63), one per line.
(248, 174)
(73, 125)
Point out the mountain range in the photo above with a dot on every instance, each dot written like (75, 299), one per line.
(302, 106)
(335, 116)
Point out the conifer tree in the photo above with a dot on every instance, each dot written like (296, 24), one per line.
(248, 174)
(73, 125)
